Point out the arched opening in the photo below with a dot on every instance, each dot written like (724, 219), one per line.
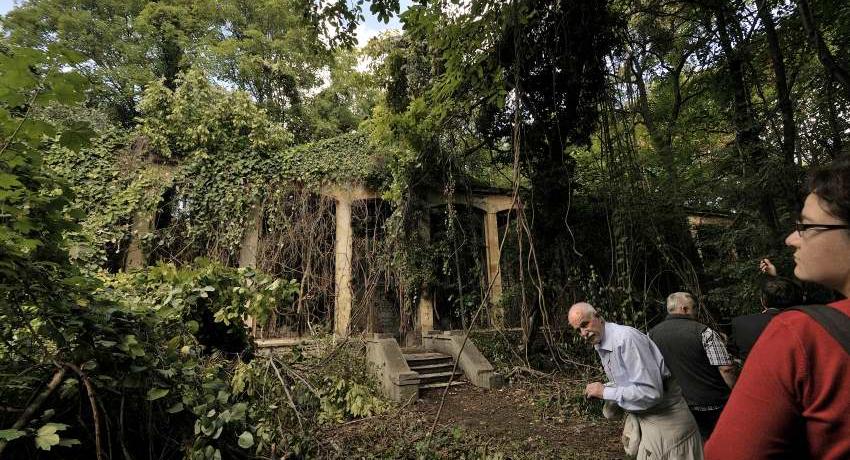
(459, 259)
(375, 303)
(297, 243)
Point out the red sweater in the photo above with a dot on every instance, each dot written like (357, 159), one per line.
(792, 399)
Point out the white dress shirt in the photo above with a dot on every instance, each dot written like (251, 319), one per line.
(635, 366)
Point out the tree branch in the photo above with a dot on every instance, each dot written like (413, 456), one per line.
(35, 405)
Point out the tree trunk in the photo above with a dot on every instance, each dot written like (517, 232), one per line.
(834, 128)
(836, 70)
(661, 141)
(747, 128)
(783, 96)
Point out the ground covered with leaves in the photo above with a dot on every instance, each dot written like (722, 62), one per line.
(539, 418)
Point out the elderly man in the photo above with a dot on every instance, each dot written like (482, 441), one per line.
(698, 359)
(641, 385)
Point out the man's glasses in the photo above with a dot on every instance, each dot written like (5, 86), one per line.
(801, 227)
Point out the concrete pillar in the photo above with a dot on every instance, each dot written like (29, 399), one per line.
(425, 315)
(143, 222)
(426, 311)
(251, 239)
(142, 226)
(248, 249)
(342, 310)
(494, 275)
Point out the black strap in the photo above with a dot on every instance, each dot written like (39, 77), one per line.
(835, 322)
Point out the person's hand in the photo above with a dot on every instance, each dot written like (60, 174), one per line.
(767, 268)
(594, 390)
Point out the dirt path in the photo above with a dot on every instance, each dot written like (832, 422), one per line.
(519, 421)
(516, 418)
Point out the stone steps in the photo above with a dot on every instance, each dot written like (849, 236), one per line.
(439, 367)
(428, 386)
(434, 369)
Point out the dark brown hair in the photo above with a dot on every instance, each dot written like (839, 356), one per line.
(780, 292)
(831, 183)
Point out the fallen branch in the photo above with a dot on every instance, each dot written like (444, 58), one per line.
(288, 395)
(527, 370)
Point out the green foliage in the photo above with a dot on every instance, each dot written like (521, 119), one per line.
(229, 153)
(340, 107)
(342, 399)
(190, 292)
(272, 49)
(34, 209)
(154, 342)
(200, 119)
(104, 43)
(110, 188)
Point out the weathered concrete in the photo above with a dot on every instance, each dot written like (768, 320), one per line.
(424, 320)
(426, 312)
(144, 221)
(344, 197)
(475, 366)
(397, 381)
(248, 249)
(342, 310)
(494, 273)
(142, 226)
(251, 239)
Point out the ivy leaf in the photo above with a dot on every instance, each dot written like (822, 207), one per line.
(175, 408)
(32, 131)
(77, 136)
(156, 393)
(246, 440)
(9, 435)
(8, 181)
(46, 441)
(46, 436)
(66, 88)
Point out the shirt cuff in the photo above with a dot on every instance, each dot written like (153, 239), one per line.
(609, 393)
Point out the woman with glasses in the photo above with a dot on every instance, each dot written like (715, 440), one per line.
(792, 399)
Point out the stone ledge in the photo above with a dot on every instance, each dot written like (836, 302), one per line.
(386, 360)
(475, 366)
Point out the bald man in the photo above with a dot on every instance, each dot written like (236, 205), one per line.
(641, 385)
(697, 356)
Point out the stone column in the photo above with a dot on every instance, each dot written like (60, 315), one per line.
(342, 310)
(494, 276)
(251, 239)
(142, 226)
(248, 249)
(425, 316)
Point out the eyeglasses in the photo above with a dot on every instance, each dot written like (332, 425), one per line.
(801, 227)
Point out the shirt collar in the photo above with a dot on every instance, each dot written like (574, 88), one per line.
(607, 342)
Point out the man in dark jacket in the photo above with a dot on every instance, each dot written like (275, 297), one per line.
(777, 293)
(697, 358)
